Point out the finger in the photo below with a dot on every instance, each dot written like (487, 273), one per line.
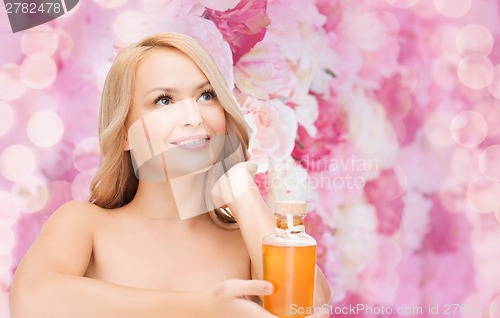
(252, 167)
(236, 288)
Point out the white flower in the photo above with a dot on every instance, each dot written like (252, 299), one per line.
(356, 239)
(370, 130)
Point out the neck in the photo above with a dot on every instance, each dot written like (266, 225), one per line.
(177, 199)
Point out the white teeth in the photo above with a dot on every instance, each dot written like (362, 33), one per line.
(192, 142)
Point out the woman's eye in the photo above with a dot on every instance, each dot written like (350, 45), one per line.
(206, 96)
(163, 101)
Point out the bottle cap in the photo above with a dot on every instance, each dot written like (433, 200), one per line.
(290, 207)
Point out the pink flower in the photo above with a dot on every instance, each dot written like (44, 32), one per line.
(276, 127)
(317, 227)
(410, 272)
(331, 130)
(348, 69)
(415, 220)
(332, 10)
(304, 49)
(379, 282)
(243, 26)
(385, 194)
(264, 74)
(260, 180)
(449, 232)
(447, 277)
(212, 40)
(220, 5)
(433, 168)
(364, 38)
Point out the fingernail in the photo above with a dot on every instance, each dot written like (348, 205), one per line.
(268, 289)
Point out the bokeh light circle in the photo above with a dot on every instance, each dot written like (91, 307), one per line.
(463, 163)
(17, 162)
(435, 128)
(475, 71)
(453, 9)
(402, 3)
(497, 211)
(474, 38)
(38, 71)
(483, 194)
(80, 187)
(443, 72)
(7, 239)
(425, 9)
(489, 162)
(469, 128)
(8, 209)
(111, 4)
(494, 86)
(489, 109)
(41, 39)
(443, 39)
(10, 82)
(6, 118)
(86, 154)
(45, 128)
(31, 195)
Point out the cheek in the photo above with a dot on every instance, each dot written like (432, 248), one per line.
(215, 118)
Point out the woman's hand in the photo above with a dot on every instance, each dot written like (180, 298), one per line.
(234, 183)
(228, 299)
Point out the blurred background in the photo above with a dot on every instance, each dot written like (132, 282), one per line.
(383, 115)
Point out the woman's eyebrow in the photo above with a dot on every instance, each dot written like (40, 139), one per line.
(174, 90)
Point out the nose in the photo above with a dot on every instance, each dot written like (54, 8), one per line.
(191, 115)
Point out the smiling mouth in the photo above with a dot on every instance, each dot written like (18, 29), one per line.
(192, 143)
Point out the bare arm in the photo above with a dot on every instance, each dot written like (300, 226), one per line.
(49, 281)
(256, 221)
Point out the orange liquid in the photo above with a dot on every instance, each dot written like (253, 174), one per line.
(291, 269)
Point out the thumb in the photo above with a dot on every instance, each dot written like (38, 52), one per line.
(236, 288)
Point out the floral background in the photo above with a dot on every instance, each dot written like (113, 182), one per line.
(384, 115)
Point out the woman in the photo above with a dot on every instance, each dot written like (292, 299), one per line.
(143, 246)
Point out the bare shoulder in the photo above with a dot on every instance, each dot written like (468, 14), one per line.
(64, 244)
(85, 213)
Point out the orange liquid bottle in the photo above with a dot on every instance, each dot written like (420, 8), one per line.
(289, 259)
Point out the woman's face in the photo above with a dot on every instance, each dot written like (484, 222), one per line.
(175, 122)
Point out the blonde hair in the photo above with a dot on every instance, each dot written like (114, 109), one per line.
(115, 183)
